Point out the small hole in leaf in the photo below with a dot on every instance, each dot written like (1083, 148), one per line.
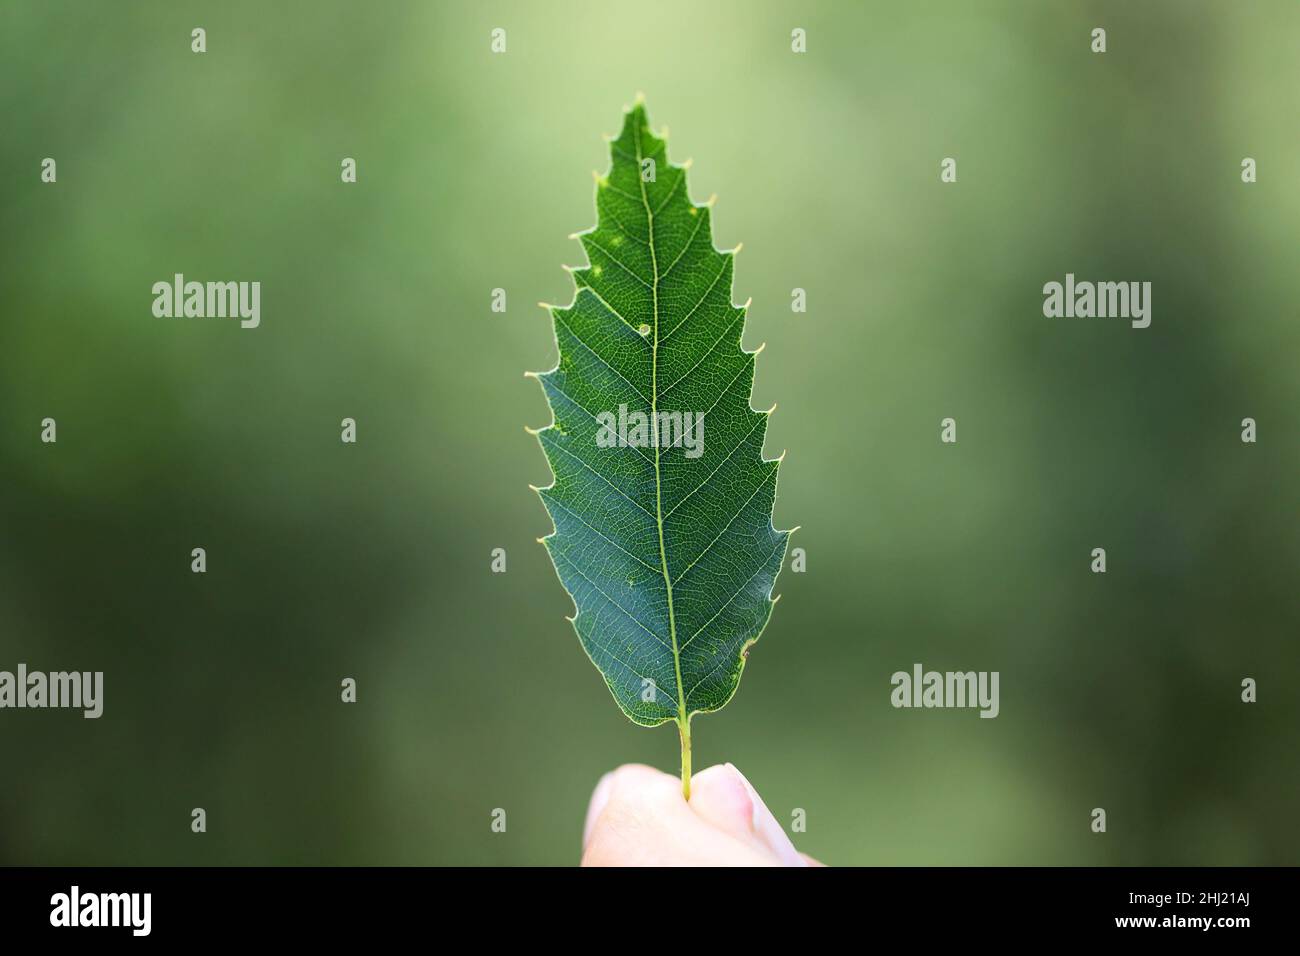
(645, 329)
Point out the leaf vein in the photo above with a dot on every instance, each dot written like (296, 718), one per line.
(630, 616)
(709, 547)
(565, 508)
(707, 292)
(762, 565)
(603, 361)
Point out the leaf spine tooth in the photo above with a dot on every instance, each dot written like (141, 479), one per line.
(536, 431)
(759, 349)
(571, 620)
(771, 410)
(640, 99)
(711, 200)
(536, 375)
(747, 304)
(687, 163)
(547, 306)
(794, 529)
(775, 599)
(781, 457)
(736, 251)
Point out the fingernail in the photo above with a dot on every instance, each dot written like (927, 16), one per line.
(768, 830)
(599, 798)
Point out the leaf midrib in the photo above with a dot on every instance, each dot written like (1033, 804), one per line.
(654, 412)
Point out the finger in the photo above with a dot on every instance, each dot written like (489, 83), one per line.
(645, 822)
(769, 831)
(632, 799)
(637, 781)
(599, 800)
(719, 797)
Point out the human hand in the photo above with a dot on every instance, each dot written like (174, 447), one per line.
(638, 817)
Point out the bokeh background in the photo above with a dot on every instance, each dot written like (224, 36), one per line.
(328, 560)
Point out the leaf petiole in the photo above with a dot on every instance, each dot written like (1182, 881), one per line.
(684, 731)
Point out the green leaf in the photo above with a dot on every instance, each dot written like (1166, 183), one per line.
(668, 550)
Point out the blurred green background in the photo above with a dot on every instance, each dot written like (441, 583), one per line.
(328, 560)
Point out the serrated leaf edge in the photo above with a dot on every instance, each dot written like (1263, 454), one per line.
(537, 432)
